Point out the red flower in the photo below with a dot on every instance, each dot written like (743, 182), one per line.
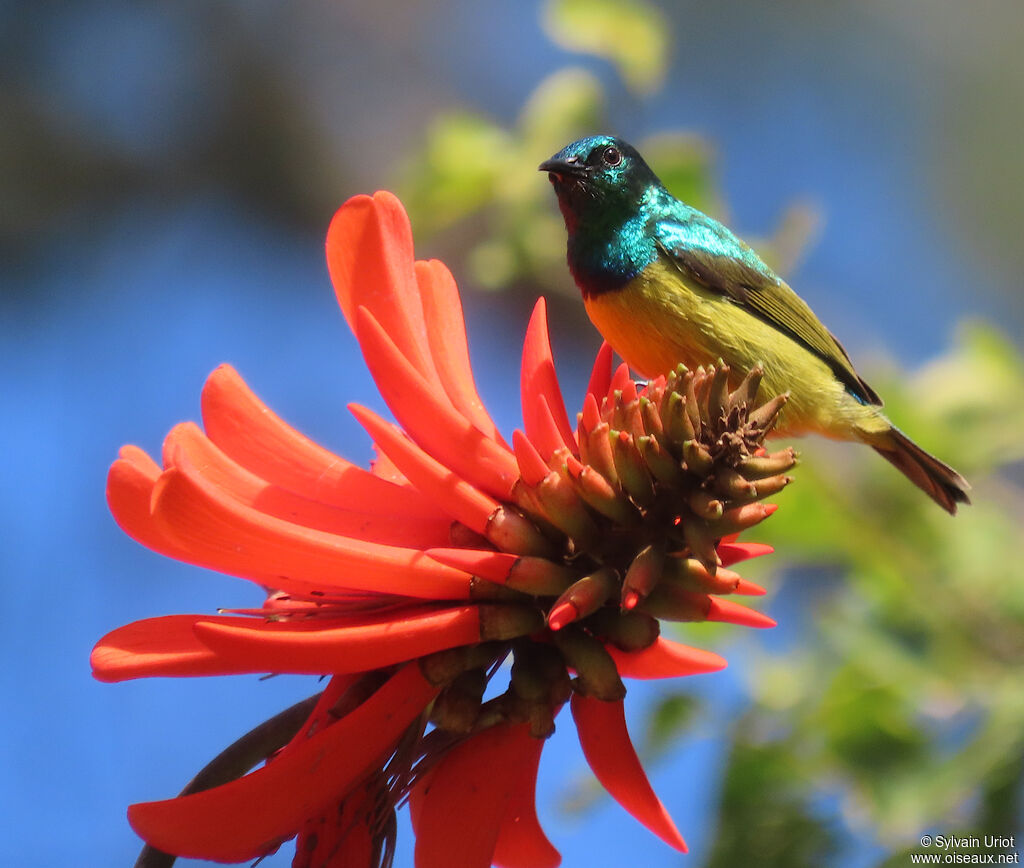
(410, 583)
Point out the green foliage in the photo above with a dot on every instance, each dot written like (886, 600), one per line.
(674, 713)
(765, 818)
(630, 33)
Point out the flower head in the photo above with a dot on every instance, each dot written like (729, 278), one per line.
(409, 584)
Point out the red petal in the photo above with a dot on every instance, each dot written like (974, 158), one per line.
(591, 412)
(521, 841)
(245, 818)
(539, 379)
(130, 482)
(429, 418)
(344, 834)
(250, 490)
(602, 730)
(729, 612)
(130, 497)
(370, 259)
(665, 659)
(620, 380)
(455, 496)
(446, 333)
(601, 374)
(532, 466)
(734, 552)
(384, 467)
(321, 716)
(155, 646)
(250, 433)
(354, 645)
(490, 565)
(458, 808)
(218, 532)
(140, 458)
(546, 435)
(562, 614)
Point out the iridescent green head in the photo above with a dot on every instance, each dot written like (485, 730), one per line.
(598, 175)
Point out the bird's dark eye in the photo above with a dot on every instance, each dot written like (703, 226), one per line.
(612, 156)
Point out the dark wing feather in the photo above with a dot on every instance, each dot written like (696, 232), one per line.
(708, 253)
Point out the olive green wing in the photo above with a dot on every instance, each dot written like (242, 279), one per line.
(711, 255)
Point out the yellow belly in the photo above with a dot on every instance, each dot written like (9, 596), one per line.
(659, 320)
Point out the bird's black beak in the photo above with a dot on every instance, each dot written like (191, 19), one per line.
(570, 168)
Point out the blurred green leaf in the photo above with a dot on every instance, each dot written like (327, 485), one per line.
(630, 33)
(765, 817)
(566, 105)
(458, 170)
(905, 696)
(672, 716)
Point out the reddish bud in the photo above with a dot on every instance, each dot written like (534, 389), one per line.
(641, 577)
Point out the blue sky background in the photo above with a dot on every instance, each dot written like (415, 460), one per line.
(117, 298)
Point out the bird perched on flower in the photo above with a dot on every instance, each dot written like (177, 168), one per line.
(665, 283)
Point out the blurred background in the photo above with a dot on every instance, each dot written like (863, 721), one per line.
(167, 173)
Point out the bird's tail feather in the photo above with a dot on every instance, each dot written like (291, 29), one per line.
(939, 481)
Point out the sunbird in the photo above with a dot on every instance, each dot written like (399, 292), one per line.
(665, 283)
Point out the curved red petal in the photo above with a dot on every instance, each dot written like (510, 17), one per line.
(538, 378)
(546, 435)
(384, 467)
(140, 458)
(130, 482)
(265, 497)
(370, 260)
(601, 373)
(156, 646)
(454, 495)
(343, 836)
(749, 588)
(353, 645)
(249, 432)
(606, 745)
(458, 808)
(620, 380)
(320, 717)
(247, 817)
(591, 415)
(485, 563)
(446, 334)
(665, 659)
(734, 552)
(521, 840)
(728, 612)
(429, 418)
(532, 467)
(218, 532)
